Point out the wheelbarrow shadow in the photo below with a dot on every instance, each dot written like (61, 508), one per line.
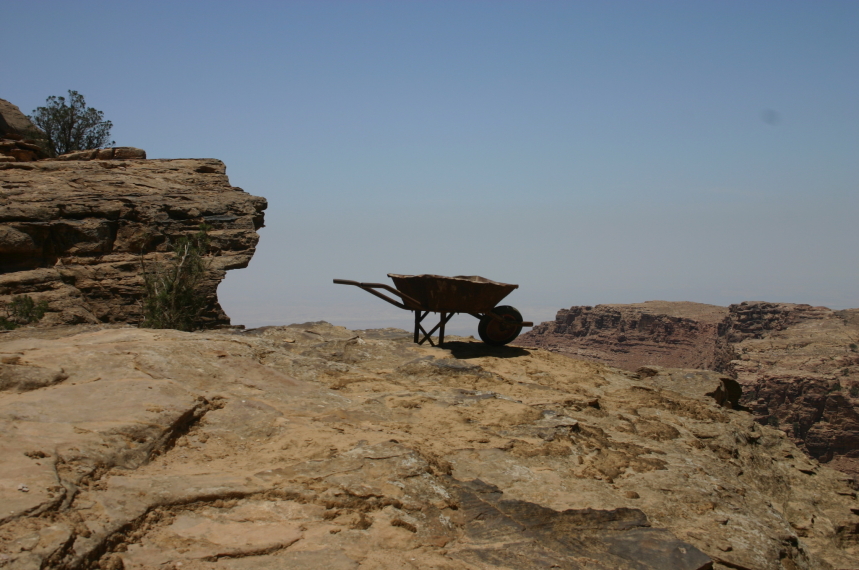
(465, 350)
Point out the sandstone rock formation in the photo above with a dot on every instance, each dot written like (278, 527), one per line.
(679, 335)
(17, 149)
(15, 127)
(13, 121)
(311, 446)
(74, 232)
(798, 364)
(113, 153)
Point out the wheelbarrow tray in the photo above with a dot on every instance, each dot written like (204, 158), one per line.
(460, 294)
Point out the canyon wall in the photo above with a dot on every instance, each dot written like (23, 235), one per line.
(678, 335)
(798, 364)
(800, 369)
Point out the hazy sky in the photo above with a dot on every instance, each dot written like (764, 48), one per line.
(592, 152)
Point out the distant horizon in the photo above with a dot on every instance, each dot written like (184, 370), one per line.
(460, 325)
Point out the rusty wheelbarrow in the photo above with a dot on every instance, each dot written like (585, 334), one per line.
(476, 296)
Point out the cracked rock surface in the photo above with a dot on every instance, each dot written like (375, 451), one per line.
(312, 446)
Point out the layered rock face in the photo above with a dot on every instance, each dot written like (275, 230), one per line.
(800, 369)
(77, 231)
(679, 335)
(312, 446)
(798, 364)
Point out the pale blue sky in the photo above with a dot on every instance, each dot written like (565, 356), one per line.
(592, 152)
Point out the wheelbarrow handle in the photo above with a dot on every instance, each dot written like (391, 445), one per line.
(368, 287)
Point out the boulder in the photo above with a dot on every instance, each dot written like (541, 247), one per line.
(15, 128)
(13, 122)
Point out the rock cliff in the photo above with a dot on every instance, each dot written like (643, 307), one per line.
(679, 335)
(800, 369)
(798, 364)
(312, 446)
(75, 230)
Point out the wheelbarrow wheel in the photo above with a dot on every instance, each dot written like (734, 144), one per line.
(498, 332)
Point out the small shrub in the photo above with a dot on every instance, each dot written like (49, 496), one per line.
(23, 310)
(172, 297)
(773, 421)
(845, 371)
(854, 391)
(795, 428)
(853, 347)
(836, 387)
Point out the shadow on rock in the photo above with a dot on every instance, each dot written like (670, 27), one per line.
(465, 350)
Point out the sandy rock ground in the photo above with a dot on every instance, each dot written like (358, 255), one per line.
(312, 446)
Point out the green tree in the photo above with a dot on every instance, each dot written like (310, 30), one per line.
(172, 297)
(71, 126)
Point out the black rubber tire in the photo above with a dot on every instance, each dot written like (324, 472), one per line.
(497, 333)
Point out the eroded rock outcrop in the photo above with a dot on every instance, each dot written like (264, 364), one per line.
(15, 128)
(312, 446)
(75, 232)
(13, 121)
(798, 365)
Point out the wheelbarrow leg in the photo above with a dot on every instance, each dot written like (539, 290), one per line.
(428, 335)
(445, 317)
(418, 328)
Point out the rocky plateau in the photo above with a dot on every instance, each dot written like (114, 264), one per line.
(313, 446)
